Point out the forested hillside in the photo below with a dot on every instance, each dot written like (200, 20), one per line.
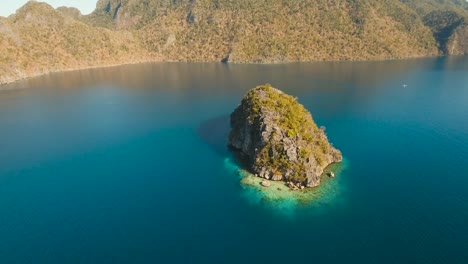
(271, 31)
(39, 39)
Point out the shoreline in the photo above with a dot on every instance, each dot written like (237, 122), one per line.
(278, 192)
(17, 79)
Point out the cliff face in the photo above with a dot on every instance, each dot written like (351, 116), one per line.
(458, 43)
(449, 29)
(277, 139)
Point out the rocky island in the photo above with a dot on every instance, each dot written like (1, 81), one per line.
(275, 138)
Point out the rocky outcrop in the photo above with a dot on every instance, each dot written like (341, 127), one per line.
(276, 138)
(450, 31)
(458, 42)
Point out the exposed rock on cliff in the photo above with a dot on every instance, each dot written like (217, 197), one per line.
(277, 139)
(450, 31)
(458, 42)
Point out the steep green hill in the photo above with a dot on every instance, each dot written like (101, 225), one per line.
(448, 28)
(40, 39)
(448, 20)
(271, 30)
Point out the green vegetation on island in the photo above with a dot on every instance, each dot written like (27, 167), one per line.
(276, 139)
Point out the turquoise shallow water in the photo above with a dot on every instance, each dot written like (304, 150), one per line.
(129, 165)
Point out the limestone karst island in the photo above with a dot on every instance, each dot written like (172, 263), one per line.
(275, 138)
(234, 131)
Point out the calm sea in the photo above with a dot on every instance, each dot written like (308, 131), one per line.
(129, 165)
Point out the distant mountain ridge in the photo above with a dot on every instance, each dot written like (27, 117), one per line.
(39, 39)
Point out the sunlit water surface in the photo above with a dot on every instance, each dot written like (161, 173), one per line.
(129, 165)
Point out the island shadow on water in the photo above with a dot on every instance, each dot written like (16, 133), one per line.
(215, 132)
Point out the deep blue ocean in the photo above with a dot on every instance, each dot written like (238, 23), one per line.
(129, 165)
